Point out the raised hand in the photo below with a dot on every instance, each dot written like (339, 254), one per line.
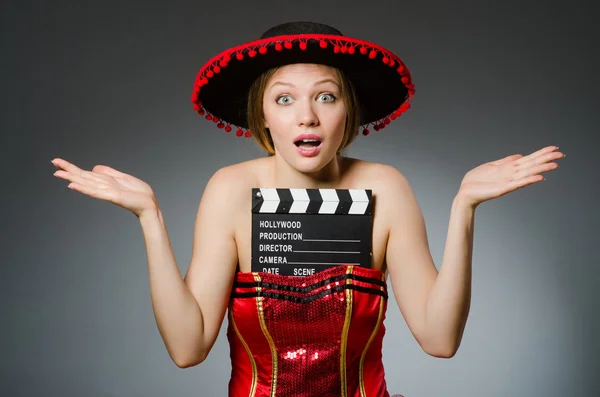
(497, 178)
(106, 183)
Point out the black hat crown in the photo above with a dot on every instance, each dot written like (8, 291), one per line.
(300, 27)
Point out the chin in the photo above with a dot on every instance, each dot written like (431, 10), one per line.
(307, 164)
(311, 164)
(309, 167)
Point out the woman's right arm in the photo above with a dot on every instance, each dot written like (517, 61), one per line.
(189, 311)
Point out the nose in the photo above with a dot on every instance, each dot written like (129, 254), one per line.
(306, 114)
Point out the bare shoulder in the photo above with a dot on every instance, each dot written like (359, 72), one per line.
(392, 193)
(233, 174)
(234, 180)
(384, 179)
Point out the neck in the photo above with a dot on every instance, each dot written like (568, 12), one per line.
(286, 176)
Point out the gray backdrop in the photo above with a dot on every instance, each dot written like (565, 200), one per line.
(109, 83)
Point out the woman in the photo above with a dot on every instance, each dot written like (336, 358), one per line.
(304, 91)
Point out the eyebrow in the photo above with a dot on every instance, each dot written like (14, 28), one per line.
(327, 80)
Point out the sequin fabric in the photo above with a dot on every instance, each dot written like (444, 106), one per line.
(317, 335)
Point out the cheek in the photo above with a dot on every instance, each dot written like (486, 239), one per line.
(277, 127)
(337, 121)
(275, 116)
(279, 123)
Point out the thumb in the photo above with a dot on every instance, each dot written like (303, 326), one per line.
(104, 169)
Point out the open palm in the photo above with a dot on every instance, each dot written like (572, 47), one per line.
(108, 184)
(497, 178)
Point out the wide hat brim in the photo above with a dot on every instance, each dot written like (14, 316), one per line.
(382, 81)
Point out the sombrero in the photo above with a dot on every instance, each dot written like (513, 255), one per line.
(382, 81)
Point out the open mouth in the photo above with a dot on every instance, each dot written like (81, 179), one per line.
(308, 144)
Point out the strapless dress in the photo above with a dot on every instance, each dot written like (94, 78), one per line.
(317, 335)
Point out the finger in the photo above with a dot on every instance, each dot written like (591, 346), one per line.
(76, 171)
(87, 175)
(536, 169)
(96, 177)
(92, 191)
(64, 175)
(537, 154)
(520, 183)
(507, 159)
(543, 160)
(65, 165)
(85, 178)
(547, 157)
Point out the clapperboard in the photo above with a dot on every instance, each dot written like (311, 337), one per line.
(298, 232)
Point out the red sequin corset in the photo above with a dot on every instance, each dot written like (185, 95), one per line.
(317, 335)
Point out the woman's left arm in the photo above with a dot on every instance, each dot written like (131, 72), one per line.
(436, 304)
(449, 298)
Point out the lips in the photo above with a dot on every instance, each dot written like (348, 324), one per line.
(310, 139)
(308, 145)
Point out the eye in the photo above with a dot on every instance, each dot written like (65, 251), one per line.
(283, 99)
(327, 97)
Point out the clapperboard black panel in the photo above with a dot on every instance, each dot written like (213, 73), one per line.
(297, 232)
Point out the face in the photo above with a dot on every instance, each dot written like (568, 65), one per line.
(305, 114)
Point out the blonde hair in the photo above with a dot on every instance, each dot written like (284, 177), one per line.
(256, 120)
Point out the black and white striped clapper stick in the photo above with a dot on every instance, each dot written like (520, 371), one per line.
(312, 201)
(299, 232)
